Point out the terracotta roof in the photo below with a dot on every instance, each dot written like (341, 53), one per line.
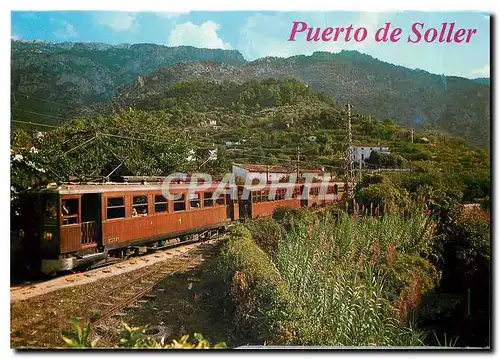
(275, 169)
(265, 168)
(311, 171)
(369, 145)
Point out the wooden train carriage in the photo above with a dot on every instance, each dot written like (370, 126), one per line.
(83, 223)
(319, 194)
(260, 204)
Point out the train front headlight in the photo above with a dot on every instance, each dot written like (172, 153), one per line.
(47, 236)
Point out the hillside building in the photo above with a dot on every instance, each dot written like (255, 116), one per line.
(361, 153)
(272, 173)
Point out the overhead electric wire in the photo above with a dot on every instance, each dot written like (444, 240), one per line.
(38, 113)
(125, 129)
(140, 132)
(100, 133)
(40, 99)
(34, 123)
(157, 142)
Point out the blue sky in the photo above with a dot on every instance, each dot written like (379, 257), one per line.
(262, 33)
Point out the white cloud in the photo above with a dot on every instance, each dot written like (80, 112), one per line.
(118, 21)
(28, 15)
(64, 29)
(370, 21)
(481, 72)
(267, 35)
(203, 35)
(171, 14)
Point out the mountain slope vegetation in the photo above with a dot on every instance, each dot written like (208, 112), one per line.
(68, 74)
(267, 121)
(75, 74)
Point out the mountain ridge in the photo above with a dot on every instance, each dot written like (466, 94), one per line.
(85, 73)
(126, 45)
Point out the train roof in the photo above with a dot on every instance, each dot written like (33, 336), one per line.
(287, 185)
(81, 188)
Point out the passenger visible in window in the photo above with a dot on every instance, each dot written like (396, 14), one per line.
(65, 208)
(134, 212)
(50, 211)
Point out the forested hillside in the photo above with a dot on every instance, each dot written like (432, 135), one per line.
(75, 74)
(265, 121)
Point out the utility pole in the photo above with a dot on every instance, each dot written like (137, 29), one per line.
(298, 160)
(412, 135)
(359, 179)
(349, 160)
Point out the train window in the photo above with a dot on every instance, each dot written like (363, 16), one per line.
(139, 206)
(221, 200)
(115, 208)
(161, 204)
(180, 204)
(314, 191)
(195, 200)
(207, 199)
(69, 210)
(335, 189)
(261, 196)
(50, 210)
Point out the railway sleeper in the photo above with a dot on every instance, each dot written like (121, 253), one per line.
(119, 314)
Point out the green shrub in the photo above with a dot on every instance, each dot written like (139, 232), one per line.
(266, 233)
(466, 251)
(339, 275)
(341, 282)
(288, 216)
(260, 298)
(135, 338)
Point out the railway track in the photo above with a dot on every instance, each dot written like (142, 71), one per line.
(110, 261)
(126, 294)
(168, 254)
(108, 295)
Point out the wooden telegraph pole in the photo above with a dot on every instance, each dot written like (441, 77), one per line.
(349, 160)
(298, 160)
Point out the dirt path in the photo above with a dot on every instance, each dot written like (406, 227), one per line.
(39, 321)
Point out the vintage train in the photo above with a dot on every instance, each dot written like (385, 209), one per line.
(77, 225)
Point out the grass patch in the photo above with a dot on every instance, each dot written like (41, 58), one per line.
(323, 279)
